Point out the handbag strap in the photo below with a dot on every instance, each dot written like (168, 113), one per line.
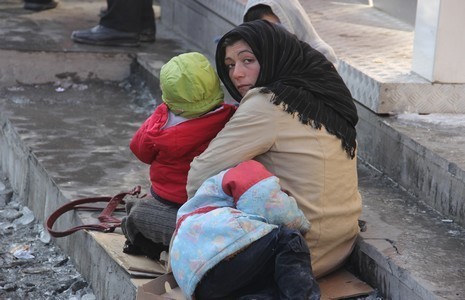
(107, 223)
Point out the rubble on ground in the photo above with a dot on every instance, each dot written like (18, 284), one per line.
(31, 265)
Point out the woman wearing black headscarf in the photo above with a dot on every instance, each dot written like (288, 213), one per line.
(297, 118)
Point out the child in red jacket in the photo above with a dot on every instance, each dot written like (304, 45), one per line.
(191, 115)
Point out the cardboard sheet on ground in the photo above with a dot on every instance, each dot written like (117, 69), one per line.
(340, 284)
(137, 266)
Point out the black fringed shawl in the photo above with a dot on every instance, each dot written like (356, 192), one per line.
(300, 77)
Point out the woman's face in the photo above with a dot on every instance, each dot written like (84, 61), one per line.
(242, 65)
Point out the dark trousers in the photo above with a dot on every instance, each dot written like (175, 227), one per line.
(277, 266)
(129, 15)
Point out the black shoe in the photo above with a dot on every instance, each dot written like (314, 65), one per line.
(104, 36)
(147, 35)
(150, 249)
(40, 6)
(130, 248)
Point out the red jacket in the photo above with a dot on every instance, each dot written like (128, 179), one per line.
(170, 151)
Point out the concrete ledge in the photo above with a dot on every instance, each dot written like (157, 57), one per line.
(406, 93)
(424, 158)
(408, 250)
(13, 150)
(147, 69)
(15, 66)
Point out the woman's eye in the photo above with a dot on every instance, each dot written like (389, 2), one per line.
(229, 66)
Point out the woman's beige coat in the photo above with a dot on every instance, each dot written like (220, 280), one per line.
(310, 164)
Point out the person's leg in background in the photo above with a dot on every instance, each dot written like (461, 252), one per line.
(119, 26)
(123, 15)
(149, 28)
(38, 5)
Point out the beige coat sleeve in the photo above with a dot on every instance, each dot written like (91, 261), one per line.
(250, 132)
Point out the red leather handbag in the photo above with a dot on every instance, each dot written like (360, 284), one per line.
(108, 223)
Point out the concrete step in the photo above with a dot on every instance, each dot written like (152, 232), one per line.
(409, 250)
(59, 141)
(425, 154)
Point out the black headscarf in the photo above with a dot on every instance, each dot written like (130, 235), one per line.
(299, 76)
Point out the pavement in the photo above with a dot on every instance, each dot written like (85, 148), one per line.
(68, 111)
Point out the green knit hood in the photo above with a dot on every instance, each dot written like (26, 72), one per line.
(190, 86)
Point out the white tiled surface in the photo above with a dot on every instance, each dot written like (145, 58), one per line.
(374, 48)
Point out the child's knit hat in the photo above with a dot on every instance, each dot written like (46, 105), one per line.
(190, 86)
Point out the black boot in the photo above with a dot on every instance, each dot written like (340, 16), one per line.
(130, 248)
(143, 245)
